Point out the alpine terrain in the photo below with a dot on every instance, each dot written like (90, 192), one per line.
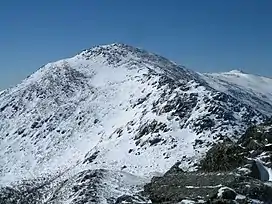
(106, 125)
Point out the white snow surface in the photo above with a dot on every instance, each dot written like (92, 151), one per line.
(96, 104)
(250, 88)
(269, 170)
(186, 202)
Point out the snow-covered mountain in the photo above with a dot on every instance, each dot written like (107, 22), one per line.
(251, 89)
(122, 108)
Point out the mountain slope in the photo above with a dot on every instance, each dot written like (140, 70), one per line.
(89, 186)
(251, 89)
(115, 107)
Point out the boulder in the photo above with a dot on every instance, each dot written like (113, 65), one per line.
(223, 157)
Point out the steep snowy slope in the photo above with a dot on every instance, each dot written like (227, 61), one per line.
(97, 186)
(115, 107)
(251, 89)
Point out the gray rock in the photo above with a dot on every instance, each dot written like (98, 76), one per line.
(223, 157)
(183, 185)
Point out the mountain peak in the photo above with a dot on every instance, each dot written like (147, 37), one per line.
(114, 47)
(117, 45)
(236, 71)
(119, 52)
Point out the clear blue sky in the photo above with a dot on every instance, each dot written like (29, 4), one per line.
(206, 36)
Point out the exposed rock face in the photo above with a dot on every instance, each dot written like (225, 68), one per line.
(223, 157)
(214, 187)
(176, 187)
(230, 173)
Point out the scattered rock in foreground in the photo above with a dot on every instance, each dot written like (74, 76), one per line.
(213, 188)
(232, 172)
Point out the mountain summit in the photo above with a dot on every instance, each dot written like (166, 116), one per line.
(123, 109)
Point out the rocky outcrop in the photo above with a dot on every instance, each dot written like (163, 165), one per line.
(227, 187)
(224, 156)
(172, 188)
(231, 172)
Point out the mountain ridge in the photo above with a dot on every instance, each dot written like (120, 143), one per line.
(130, 47)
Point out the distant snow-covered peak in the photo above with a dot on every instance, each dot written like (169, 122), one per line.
(252, 89)
(235, 71)
(249, 81)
